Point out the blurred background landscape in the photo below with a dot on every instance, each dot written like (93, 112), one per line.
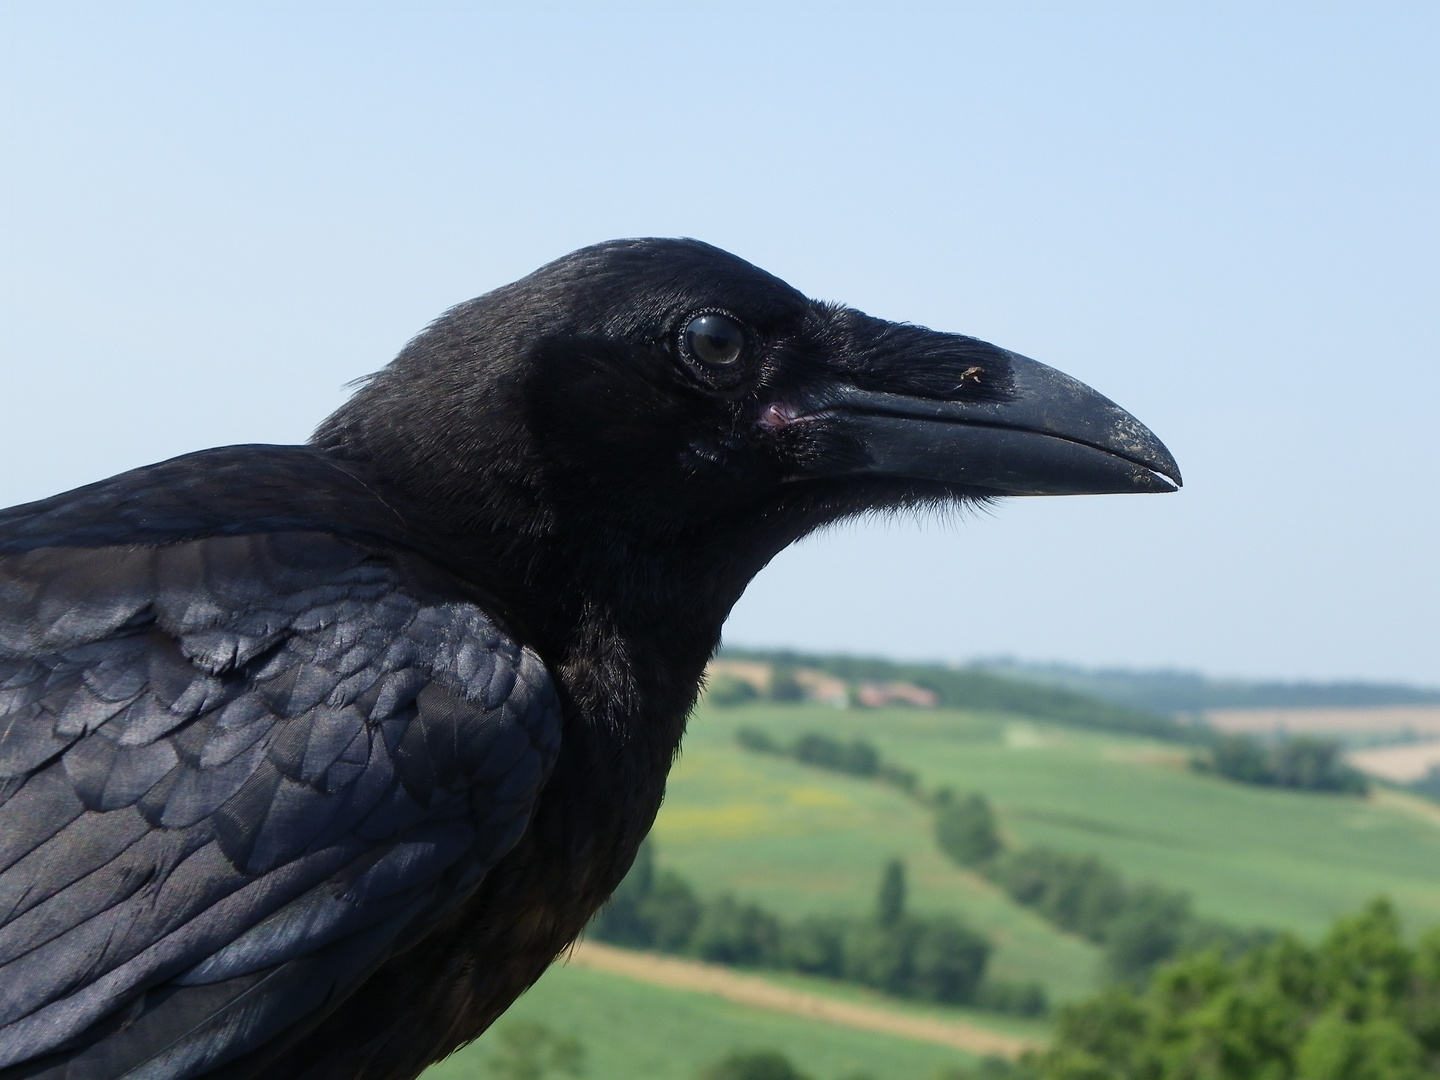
(1065, 841)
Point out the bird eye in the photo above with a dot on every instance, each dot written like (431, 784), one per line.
(715, 339)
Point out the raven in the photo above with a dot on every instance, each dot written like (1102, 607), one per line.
(312, 758)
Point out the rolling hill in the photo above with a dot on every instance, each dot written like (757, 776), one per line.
(804, 841)
(1172, 692)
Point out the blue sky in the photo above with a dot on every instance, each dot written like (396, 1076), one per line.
(1224, 216)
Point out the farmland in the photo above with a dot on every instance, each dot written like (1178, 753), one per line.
(634, 1031)
(803, 841)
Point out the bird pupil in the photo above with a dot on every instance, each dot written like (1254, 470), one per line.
(714, 339)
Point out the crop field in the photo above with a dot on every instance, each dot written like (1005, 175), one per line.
(1374, 721)
(1403, 764)
(633, 1031)
(800, 840)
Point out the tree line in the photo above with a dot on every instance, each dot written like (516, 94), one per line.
(853, 758)
(1193, 998)
(1302, 762)
(925, 957)
(1361, 1005)
(964, 688)
(1138, 925)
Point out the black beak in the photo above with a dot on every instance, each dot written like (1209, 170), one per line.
(1048, 435)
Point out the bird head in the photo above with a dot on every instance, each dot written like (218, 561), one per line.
(650, 421)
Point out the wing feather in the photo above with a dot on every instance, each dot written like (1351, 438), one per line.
(234, 773)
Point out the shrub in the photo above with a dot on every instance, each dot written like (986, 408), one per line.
(1361, 1005)
(1314, 765)
(1140, 926)
(855, 758)
(784, 686)
(935, 958)
(1303, 763)
(729, 690)
(965, 829)
(904, 779)
(729, 932)
(759, 741)
(754, 1065)
(948, 961)
(1241, 758)
(989, 1068)
(1016, 998)
(1076, 893)
(671, 912)
(1146, 930)
(816, 946)
(858, 758)
(880, 956)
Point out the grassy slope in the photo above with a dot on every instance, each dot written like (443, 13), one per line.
(803, 840)
(800, 840)
(633, 1031)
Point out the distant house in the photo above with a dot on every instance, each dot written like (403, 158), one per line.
(874, 695)
(814, 685)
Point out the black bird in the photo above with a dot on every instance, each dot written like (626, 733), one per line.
(313, 758)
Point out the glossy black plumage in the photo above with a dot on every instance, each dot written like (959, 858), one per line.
(240, 769)
(313, 758)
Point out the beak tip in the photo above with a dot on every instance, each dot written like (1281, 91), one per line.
(1168, 473)
(1164, 467)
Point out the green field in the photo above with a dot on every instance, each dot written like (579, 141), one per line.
(800, 840)
(632, 1031)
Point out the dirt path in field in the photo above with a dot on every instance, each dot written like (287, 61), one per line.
(750, 990)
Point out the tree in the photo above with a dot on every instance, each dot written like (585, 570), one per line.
(1239, 757)
(670, 912)
(816, 946)
(649, 909)
(730, 932)
(881, 955)
(965, 829)
(759, 741)
(890, 903)
(1146, 931)
(1075, 892)
(1314, 765)
(1362, 1005)
(948, 961)
(784, 686)
(726, 690)
(754, 1065)
(1304, 762)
